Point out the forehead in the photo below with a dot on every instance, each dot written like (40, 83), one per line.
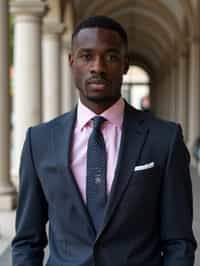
(91, 38)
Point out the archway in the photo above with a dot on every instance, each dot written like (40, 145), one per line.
(136, 87)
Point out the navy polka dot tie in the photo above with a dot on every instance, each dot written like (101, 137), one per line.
(96, 174)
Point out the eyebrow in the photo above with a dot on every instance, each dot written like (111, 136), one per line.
(85, 49)
(114, 50)
(110, 50)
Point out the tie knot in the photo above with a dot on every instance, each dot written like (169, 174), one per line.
(97, 122)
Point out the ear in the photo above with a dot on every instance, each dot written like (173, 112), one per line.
(126, 64)
(70, 59)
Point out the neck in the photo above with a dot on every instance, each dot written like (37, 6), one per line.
(98, 108)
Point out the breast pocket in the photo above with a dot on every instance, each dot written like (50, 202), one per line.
(145, 176)
(142, 195)
(144, 184)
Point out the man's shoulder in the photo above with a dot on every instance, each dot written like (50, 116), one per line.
(42, 134)
(57, 121)
(153, 122)
(162, 124)
(159, 130)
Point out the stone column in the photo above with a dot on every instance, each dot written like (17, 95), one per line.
(7, 191)
(152, 95)
(194, 93)
(165, 97)
(69, 92)
(51, 47)
(161, 97)
(182, 92)
(157, 110)
(172, 93)
(156, 97)
(27, 100)
(168, 92)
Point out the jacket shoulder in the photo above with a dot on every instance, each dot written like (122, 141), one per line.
(160, 130)
(44, 128)
(163, 125)
(153, 122)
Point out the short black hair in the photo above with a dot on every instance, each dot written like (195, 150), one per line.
(102, 22)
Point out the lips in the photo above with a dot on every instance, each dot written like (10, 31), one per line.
(97, 84)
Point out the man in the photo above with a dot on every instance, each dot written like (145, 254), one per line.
(113, 182)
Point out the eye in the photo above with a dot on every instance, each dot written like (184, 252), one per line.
(86, 57)
(112, 57)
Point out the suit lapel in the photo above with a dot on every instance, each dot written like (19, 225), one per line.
(62, 137)
(134, 132)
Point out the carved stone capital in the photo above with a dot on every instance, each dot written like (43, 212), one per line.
(28, 8)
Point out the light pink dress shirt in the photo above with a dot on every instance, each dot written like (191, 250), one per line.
(111, 130)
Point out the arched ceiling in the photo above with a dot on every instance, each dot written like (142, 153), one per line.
(153, 27)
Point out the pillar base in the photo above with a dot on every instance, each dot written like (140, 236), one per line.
(8, 202)
(8, 197)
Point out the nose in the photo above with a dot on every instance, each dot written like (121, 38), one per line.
(98, 65)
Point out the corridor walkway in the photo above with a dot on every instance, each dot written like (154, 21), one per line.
(5, 256)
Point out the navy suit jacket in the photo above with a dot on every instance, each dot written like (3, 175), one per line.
(148, 217)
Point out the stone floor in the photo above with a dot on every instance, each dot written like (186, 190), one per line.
(7, 226)
(7, 221)
(196, 225)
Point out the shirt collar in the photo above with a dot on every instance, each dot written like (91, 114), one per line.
(113, 114)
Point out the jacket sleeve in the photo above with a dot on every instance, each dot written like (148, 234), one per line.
(30, 240)
(177, 240)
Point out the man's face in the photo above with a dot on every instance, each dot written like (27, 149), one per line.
(98, 61)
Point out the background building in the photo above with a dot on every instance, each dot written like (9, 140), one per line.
(164, 40)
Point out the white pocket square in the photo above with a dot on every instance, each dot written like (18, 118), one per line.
(144, 166)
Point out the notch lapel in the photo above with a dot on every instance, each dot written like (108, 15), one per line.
(134, 133)
(62, 137)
